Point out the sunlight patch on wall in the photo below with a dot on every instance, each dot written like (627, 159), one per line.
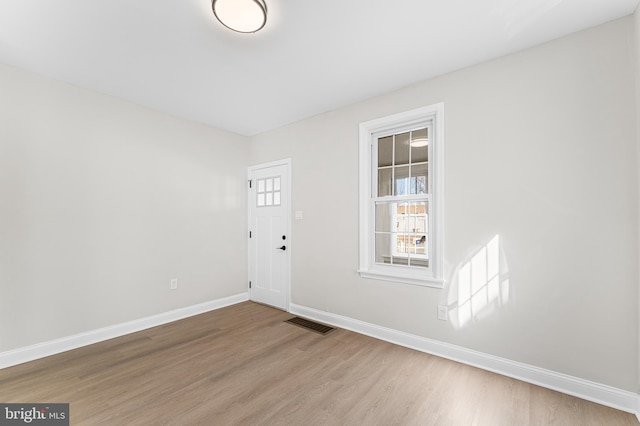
(480, 285)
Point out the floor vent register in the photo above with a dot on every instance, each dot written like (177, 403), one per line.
(310, 325)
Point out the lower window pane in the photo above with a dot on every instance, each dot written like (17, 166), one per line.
(401, 233)
(384, 182)
(419, 244)
(418, 262)
(383, 247)
(402, 243)
(404, 261)
(385, 213)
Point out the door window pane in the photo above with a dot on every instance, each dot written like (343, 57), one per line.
(268, 192)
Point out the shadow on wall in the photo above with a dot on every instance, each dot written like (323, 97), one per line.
(479, 286)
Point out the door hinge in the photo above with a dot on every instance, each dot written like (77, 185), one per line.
(249, 284)
(249, 183)
(249, 234)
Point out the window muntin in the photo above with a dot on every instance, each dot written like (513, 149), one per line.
(401, 194)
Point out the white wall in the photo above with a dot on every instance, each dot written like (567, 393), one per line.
(540, 150)
(102, 203)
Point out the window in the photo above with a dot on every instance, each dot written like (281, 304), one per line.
(268, 192)
(401, 197)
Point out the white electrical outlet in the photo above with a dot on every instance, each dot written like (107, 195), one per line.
(443, 313)
(174, 284)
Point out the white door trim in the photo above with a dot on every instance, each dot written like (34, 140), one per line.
(250, 170)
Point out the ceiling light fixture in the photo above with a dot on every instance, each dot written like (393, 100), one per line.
(243, 16)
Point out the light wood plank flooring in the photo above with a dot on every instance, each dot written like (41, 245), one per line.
(242, 365)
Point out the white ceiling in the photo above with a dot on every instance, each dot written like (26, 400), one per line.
(313, 55)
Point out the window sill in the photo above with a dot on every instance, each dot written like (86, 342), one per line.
(405, 279)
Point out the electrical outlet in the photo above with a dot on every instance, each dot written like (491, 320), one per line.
(443, 313)
(174, 284)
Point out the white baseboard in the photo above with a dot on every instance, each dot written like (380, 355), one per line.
(591, 391)
(41, 350)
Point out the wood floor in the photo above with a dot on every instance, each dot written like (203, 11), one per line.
(243, 365)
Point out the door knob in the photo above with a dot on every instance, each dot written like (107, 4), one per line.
(283, 248)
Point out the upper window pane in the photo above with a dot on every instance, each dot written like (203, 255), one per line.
(402, 148)
(385, 151)
(403, 163)
(419, 179)
(385, 179)
(403, 184)
(419, 146)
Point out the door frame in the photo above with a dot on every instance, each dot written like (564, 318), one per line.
(250, 201)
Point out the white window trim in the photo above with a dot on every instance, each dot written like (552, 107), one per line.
(368, 268)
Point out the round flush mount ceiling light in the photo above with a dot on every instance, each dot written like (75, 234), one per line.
(243, 16)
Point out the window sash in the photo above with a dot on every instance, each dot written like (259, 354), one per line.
(395, 201)
(405, 169)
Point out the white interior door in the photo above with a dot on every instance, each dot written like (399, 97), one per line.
(269, 233)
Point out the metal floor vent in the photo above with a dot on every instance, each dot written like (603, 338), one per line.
(310, 325)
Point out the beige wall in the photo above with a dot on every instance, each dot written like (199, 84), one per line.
(541, 151)
(102, 203)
